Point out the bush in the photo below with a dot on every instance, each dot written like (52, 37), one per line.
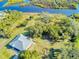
(29, 55)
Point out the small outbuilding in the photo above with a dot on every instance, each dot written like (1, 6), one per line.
(21, 42)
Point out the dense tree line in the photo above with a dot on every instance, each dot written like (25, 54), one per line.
(53, 28)
(57, 4)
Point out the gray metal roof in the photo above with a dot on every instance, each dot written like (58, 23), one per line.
(21, 42)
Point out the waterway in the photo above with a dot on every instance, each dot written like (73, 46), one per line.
(35, 9)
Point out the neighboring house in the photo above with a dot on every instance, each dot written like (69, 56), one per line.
(21, 42)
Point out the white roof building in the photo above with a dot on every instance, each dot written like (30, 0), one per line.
(21, 42)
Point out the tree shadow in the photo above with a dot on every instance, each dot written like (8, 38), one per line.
(46, 35)
(12, 57)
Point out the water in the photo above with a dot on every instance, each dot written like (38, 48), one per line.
(36, 9)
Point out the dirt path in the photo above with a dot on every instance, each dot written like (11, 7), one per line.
(2, 44)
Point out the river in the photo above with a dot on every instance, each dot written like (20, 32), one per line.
(35, 9)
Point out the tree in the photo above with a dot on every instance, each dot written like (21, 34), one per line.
(29, 55)
(7, 23)
(53, 54)
(67, 52)
(53, 28)
(70, 52)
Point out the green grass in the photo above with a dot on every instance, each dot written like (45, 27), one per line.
(77, 43)
(1, 40)
(6, 53)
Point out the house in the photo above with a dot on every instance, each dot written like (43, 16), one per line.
(21, 42)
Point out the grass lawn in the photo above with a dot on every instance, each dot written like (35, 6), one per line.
(6, 53)
(77, 43)
(1, 40)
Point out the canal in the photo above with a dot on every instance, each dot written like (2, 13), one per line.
(35, 9)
